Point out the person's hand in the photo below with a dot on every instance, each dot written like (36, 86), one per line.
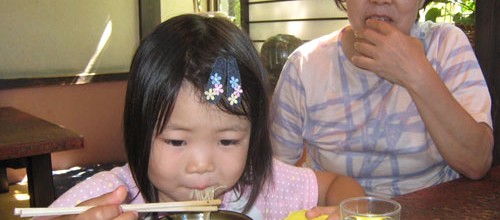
(106, 207)
(332, 212)
(390, 53)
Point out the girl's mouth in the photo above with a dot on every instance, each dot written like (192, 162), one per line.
(205, 194)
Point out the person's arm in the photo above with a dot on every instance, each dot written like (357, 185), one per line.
(333, 189)
(465, 144)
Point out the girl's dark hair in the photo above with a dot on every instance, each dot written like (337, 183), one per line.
(341, 4)
(183, 49)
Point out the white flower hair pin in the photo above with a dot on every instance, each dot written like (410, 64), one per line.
(224, 72)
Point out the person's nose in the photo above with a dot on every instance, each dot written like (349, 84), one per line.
(201, 161)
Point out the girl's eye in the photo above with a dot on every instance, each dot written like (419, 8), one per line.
(175, 143)
(228, 142)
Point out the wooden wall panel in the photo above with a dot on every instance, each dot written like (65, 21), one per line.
(305, 30)
(305, 19)
(280, 10)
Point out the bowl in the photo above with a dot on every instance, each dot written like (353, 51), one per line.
(218, 215)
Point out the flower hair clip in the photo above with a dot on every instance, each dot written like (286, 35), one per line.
(224, 72)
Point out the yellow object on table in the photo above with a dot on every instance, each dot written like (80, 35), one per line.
(301, 215)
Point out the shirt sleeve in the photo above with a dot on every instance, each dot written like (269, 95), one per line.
(287, 115)
(97, 185)
(292, 189)
(460, 71)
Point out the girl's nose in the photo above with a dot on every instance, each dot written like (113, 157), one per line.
(201, 162)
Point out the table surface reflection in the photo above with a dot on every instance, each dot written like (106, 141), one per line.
(459, 199)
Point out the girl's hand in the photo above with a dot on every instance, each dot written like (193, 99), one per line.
(393, 55)
(106, 207)
(333, 212)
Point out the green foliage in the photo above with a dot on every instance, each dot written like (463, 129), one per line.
(466, 14)
(432, 14)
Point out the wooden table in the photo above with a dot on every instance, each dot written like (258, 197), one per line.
(459, 199)
(33, 139)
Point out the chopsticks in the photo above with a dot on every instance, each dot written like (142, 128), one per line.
(185, 206)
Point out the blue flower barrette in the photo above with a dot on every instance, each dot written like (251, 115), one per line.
(224, 72)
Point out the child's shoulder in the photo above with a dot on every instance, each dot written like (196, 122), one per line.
(97, 185)
(121, 174)
(292, 188)
(288, 174)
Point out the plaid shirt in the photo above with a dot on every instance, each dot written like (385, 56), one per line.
(355, 123)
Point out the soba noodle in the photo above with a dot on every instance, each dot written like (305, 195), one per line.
(206, 194)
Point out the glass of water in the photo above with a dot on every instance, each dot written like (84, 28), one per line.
(369, 208)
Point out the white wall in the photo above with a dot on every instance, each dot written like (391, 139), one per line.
(61, 37)
(171, 8)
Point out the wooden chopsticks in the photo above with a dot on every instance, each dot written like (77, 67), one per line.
(185, 206)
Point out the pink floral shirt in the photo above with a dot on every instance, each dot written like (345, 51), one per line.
(292, 188)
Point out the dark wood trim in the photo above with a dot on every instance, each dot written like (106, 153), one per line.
(65, 80)
(487, 41)
(39, 167)
(484, 35)
(149, 16)
(245, 20)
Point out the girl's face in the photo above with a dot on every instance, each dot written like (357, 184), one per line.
(399, 13)
(200, 147)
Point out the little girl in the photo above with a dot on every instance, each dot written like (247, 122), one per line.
(196, 117)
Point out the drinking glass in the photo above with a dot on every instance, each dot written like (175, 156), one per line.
(369, 208)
